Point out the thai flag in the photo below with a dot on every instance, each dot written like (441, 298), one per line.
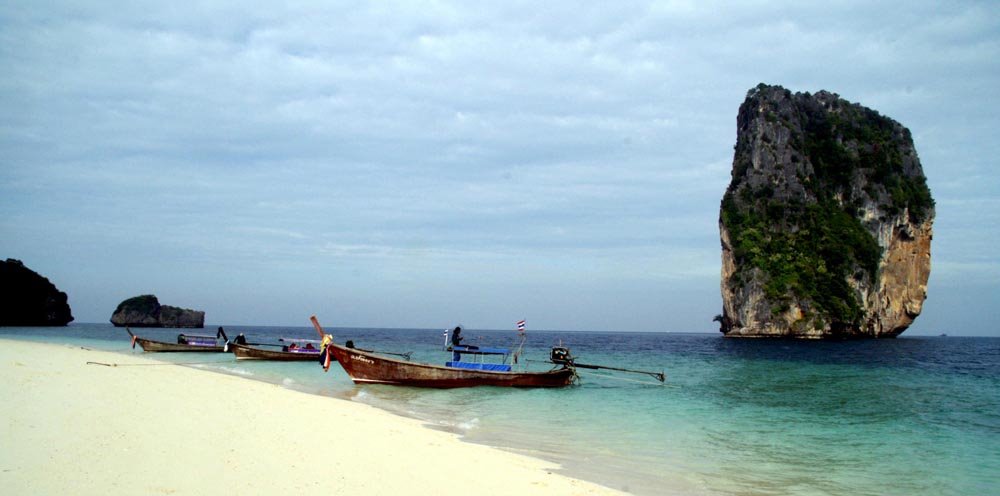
(520, 326)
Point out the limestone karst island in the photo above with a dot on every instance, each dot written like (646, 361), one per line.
(30, 299)
(826, 223)
(146, 311)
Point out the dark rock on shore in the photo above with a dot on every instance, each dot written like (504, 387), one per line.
(146, 311)
(826, 224)
(28, 299)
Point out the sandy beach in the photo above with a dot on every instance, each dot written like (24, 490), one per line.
(69, 427)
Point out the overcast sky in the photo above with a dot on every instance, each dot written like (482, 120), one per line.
(408, 164)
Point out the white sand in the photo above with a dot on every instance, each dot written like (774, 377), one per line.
(71, 428)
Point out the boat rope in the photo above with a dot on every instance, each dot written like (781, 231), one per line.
(149, 364)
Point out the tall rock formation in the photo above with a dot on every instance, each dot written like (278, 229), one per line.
(146, 311)
(28, 299)
(826, 224)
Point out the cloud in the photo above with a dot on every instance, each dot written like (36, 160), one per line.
(560, 146)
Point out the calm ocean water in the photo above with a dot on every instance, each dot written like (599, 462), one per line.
(913, 415)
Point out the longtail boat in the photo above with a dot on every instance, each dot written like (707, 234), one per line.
(370, 368)
(367, 367)
(291, 352)
(185, 342)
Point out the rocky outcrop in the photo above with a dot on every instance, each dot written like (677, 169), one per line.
(146, 311)
(827, 222)
(28, 299)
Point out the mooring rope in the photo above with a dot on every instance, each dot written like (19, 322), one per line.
(148, 364)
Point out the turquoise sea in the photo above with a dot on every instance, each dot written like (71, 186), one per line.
(913, 415)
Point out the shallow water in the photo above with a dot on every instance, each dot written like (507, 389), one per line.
(913, 415)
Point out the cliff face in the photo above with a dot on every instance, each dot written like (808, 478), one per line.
(826, 224)
(28, 299)
(146, 311)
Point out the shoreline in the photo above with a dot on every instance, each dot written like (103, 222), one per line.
(148, 429)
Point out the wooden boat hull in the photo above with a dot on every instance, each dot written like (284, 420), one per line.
(160, 346)
(244, 352)
(370, 368)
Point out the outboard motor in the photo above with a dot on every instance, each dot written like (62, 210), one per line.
(560, 355)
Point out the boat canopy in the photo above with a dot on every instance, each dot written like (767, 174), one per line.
(299, 340)
(479, 350)
(314, 351)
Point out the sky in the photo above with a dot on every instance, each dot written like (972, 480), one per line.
(427, 164)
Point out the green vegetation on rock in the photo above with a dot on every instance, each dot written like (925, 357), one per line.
(805, 250)
(840, 141)
(144, 304)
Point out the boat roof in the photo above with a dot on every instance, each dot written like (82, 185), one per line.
(203, 336)
(299, 340)
(481, 350)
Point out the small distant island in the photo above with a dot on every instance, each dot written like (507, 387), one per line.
(146, 311)
(28, 299)
(826, 223)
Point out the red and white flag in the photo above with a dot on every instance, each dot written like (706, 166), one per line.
(520, 326)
